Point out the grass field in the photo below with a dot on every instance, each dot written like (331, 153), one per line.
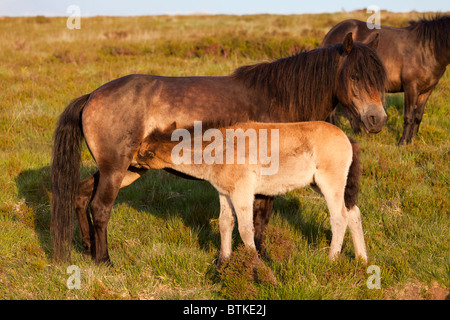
(163, 234)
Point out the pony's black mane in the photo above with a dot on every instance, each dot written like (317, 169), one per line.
(365, 64)
(299, 86)
(284, 80)
(434, 31)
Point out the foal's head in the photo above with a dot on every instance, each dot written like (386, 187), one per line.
(361, 82)
(156, 148)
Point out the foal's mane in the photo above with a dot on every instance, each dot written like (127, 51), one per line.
(434, 31)
(302, 85)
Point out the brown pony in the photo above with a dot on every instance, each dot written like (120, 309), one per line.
(415, 58)
(305, 153)
(115, 119)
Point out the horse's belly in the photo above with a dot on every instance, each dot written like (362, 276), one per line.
(295, 173)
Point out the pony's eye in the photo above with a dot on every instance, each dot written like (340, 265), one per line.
(355, 77)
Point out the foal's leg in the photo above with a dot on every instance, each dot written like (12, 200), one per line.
(339, 220)
(332, 189)
(226, 225)
(354, 223)
(243, 206)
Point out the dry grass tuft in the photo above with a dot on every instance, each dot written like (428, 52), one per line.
(242, 274)
(279, 243)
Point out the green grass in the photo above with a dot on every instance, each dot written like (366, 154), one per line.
(163, 234)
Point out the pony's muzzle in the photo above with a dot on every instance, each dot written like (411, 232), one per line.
(374, 118)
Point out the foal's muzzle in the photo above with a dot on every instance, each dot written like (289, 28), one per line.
(374, 118)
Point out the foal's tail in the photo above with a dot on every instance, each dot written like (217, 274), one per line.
(65, 176)
(354, 175)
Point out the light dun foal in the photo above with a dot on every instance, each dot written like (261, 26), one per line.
(309, 153)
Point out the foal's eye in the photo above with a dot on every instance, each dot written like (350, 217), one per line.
(355, 77)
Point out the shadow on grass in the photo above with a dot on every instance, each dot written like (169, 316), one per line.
(34, 187)
(163, 195)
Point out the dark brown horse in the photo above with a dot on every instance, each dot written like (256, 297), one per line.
(415, 58)
(115, 118)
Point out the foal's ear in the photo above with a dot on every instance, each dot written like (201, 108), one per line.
(172, 127)
(145, 153)
(374, 43)
(348, 43)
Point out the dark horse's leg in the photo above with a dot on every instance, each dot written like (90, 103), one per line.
(87, 190)
(409, 114)
(101, 205)
(262, 209)
(421, 101)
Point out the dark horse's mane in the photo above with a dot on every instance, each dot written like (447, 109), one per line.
(434, 31)
(299, 85)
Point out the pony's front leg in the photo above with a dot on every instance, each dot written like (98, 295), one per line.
(338, 220)
(226, 225)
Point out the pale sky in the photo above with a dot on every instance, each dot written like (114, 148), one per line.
(151, 7)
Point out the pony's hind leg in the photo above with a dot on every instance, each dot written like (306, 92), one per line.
(355, 225)
(332, 188)
(86, 190)
(101, 206)
(340, 218)
(339, 221)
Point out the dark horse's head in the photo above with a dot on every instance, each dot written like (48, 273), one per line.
(306, 86)
(361, 82)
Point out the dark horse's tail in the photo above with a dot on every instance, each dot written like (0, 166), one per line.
(66, 176)
(354, 175)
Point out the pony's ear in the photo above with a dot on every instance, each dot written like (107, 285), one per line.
(374, 43)
(348, 43)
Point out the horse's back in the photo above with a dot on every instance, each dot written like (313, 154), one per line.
(304, 148)
(116, 118)
(338, 31)
(325, 139)
(122, 112)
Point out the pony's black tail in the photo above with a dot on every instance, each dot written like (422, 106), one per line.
(66, 176)
(354, 175)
